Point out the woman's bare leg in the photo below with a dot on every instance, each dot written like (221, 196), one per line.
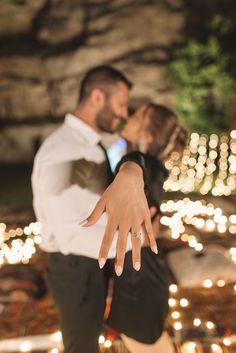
(162, 345)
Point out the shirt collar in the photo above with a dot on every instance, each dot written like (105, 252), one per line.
(91, 136)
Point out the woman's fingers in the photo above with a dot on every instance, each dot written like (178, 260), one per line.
(126, 206)
(97, 212)
(121, 250)
(136, 247)
(106, 242)
(147, 228)
(152, 210)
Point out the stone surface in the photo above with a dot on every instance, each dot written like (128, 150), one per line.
(17, 15)
(213, 263)
(19, 143)
(48, 45)
(61, 21)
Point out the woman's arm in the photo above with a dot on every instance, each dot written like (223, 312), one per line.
(127, 209)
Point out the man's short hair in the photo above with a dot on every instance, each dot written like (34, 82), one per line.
(103, 77)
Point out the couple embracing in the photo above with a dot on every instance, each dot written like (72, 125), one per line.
(71, 175)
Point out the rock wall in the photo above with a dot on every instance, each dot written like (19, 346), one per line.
(47, 45)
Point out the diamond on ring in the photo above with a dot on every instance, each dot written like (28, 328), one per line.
(136, 234)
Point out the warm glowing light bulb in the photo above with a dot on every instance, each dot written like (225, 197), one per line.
(232, 218)
(210, 225)
(199, 247)
(54, 350)
(25, 346)
(216, 348)
(221, 228)
(233, 134)
(27, 230)
(221, 283)
(207, 283)
(210, 325)
(184, 237)
(226, 341)
(184, 302)
(178, 326)
(107, 344)
(175, 315)
(37, 239)
(172, 302)
(173, 288)
(57, 336)
(192, 346)
(101, 339)
(197, 322)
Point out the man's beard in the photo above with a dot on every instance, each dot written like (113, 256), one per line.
(105, 118)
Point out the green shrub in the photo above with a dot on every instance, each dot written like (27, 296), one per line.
(201, 75)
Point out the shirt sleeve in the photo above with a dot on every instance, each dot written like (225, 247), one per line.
(66, 211)
(60, 206)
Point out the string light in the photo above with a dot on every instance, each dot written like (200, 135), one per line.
(54, 350)
(101, 339)
(216, 348)
(232, 252)
(189, 347)
(107, 344)
(207, 283)
(56, 336)
(25, 346)
(227, 342)
(197, 322)
(203, 157)
(178, 325)
(172, 302)
(199, 214)
(184, 212)
(208, 165)
(210, 325)
(19, 250)
(192, 346)
(175, 315)
(173, 288)
(199, 247)
(221, 283)
(184, 302)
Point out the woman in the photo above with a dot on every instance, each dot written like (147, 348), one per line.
(140, 299)
(153, 130)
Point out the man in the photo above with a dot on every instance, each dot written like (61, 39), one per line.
(76, 283)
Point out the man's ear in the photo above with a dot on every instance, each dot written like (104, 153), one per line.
(97, 98)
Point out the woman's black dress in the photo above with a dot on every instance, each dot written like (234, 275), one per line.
(140, 298)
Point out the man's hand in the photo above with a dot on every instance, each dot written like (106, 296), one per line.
(127, 210)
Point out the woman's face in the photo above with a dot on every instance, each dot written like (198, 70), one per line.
(137, 126)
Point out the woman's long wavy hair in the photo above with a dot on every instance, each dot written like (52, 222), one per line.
(168, 134)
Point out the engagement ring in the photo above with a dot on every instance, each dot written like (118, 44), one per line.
(136, 234)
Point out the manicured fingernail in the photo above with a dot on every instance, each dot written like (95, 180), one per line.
(137, 266)
(118, 270)
(154, 249)
(83, 223)
(102, 262)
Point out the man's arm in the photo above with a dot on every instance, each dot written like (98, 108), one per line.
(127, 210)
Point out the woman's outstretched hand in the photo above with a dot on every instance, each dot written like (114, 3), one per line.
(127, 210)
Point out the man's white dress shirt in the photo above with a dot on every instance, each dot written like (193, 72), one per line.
(59, 205)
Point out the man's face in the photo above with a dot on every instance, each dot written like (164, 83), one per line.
(115, 109)
(137, 126)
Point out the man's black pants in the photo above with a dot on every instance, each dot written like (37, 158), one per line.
(79, 288)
